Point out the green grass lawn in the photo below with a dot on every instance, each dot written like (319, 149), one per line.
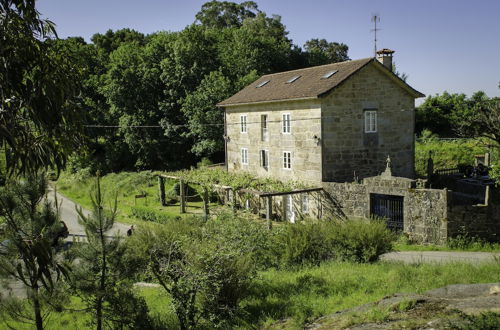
(290, 298)
(125, 186)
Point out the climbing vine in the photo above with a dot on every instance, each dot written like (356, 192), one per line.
(210, 177)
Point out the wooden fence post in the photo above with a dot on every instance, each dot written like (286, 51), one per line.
(182, 190)
(161, 190)
(269, 212)
(205, 202)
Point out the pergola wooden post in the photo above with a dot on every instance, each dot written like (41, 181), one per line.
(182, 190)
(269, 212)
(205, 202)
(161, 190)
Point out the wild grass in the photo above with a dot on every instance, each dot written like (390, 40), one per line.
(305, 294)
(290, 298)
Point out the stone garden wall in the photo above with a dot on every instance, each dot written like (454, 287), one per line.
(430, 215)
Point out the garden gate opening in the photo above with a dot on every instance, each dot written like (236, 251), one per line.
(389, 207)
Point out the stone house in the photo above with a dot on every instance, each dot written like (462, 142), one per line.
(331, 123)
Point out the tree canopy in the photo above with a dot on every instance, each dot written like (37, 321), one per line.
(38, 85)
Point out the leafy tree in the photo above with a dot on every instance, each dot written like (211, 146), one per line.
(402, 75)
(205, 120)
(111, 40)
(224, 14)
(28, 254)
(38, 117)
(100, 279)
(440, 113)
(320, 51)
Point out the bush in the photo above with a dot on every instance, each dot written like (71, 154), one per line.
(363, 240)
(353, 240)
(245, 236)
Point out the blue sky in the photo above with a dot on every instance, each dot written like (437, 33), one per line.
(451, 45)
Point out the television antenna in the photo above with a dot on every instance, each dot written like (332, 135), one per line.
(375, 20)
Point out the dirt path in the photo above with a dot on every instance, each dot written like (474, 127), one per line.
(413, 257)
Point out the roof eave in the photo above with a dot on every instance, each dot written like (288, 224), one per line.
(224, 105)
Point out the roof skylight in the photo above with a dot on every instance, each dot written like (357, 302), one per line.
(292, 79)
(329, 74)
(262, 83)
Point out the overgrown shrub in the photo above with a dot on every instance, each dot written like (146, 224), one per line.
(205, 277)
(246, 236)
(362, 240)
(353, 240)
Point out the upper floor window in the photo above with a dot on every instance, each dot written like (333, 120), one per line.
(243, 123)
(264, 132)
(244, 156)
(370, 121)
(287, 160)
(264, 159)
(286, 123)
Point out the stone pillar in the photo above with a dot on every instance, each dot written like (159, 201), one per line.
(161, 190)
(182, 191)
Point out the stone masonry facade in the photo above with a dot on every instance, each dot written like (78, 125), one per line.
(327, 139)
(349, 152)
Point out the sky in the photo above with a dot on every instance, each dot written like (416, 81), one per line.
(442, 45)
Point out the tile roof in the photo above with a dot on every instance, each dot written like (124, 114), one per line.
(310, 83)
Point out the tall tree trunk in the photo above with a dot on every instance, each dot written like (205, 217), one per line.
(99, 313)
(37, 308)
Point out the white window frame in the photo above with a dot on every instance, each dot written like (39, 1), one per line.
(244, 156)
(243, 124)
(304, 203)
(286, 127)
(371, 124)
(264, 158)
(264, 127)
(287, 160)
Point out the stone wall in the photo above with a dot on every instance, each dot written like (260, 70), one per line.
(425, 210)
(481, 220)
(349, 152)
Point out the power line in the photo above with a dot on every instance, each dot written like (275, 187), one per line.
(214, 124)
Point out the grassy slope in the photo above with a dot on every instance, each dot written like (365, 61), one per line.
(289, 298)
(125, 185)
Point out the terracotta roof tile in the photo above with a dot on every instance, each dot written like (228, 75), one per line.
(309, 85)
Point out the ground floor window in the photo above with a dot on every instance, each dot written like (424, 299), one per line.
(305, 203)
(287, 160)
(264, 159)
(244, 156)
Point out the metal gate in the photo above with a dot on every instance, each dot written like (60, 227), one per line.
(389, 207)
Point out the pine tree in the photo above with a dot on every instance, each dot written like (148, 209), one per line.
(28, 250)
(100, 278)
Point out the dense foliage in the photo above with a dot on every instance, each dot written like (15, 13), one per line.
(456, 115)
(39, 122)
